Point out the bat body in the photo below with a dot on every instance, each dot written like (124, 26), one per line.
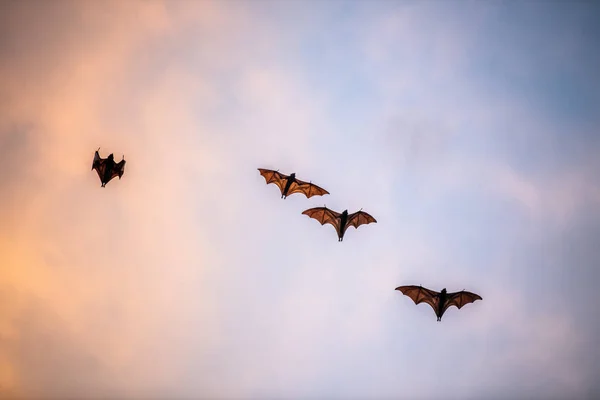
(340, 221)
(106, 168)
(289, 184)
(440, 302)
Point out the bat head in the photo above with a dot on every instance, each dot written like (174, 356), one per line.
(345, 213)
(293, 175)
(444, 291)
(111, 157)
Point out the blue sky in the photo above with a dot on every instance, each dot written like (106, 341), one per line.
(469, 130)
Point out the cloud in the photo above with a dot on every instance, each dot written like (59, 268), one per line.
(191, 277)
(98, 303)
(116, 281)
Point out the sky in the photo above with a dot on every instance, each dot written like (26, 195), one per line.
(469, 130)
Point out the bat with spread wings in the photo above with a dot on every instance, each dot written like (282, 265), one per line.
(440, 302)
(289, 184)
(106, 168)
(340, 222)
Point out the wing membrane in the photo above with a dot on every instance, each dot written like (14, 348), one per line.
(275, 177)
(306, 188)
(419, 294)
(324, 216)
(99, 164)
(97, 160)
(118, 170)
(360, 218)
(459, 299)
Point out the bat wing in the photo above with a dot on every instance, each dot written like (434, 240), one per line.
(419, 294)
(308, 189)
(97, 160)
(324, 215)
(459, 299)
(118, 170)
(99, 164)
(359, 218)
(274, 177)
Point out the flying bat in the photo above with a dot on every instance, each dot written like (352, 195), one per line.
(289, 184)
(106, 168)
(440, 302)
(340, 222)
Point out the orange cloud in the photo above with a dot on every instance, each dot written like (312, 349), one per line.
(102, 287)
(86, 283)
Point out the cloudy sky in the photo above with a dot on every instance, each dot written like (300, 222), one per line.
(469, 130)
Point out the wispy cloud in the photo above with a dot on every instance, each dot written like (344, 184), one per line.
(191, 277)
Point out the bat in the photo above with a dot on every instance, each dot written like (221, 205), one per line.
(340, 222)
(289, 184)
(106, 168)
(440, 302)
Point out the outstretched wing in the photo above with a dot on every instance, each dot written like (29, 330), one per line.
(359, 218)
(274, 177)
(419, 294)
(459, 299)
(306, 188)
(324, 215)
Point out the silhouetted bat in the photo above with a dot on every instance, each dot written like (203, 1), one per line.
(340, 222)
(288, 184)
(440, 302)
(107, 168)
